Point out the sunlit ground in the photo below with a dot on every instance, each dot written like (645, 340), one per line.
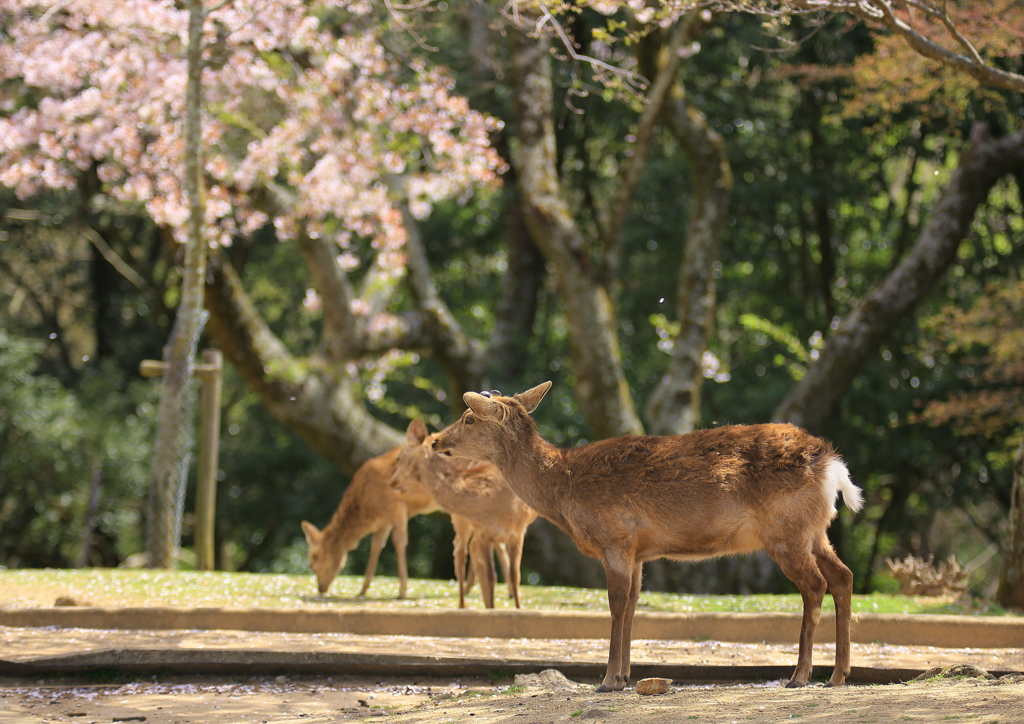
(26, 588)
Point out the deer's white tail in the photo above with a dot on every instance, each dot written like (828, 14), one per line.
(837, 480)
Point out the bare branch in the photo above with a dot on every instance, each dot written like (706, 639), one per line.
(113, 259)
(951, 27)
(633, 80)
(881, 11)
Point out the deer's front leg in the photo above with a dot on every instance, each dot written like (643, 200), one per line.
(627, 624)
(482, 554)
(619, 574)
(380, 537)
(400, 539)
(514, 553)
(463, 533)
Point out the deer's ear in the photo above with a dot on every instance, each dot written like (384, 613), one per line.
(483, 407)
(532, 397)
(312, 534)
(416, 433)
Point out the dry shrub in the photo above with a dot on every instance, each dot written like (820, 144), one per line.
(919, 577)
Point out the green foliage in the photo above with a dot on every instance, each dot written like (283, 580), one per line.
(57, 441)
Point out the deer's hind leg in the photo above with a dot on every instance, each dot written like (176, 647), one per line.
(840, 585)
(798, 563)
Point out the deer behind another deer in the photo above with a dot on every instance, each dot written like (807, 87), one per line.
(722, 491)
(492, 515)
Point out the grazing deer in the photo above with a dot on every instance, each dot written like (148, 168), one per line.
(490, 514)
(369, 505)
(728, 490)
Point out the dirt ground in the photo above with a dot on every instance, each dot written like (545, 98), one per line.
(531, 699)
(542, 700)
(546, 698)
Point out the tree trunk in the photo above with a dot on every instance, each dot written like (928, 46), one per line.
(1010, 593)
(859, 335)
(170, 459)
(601, 389)
(674, 405)
(517, 302)
(91, 510)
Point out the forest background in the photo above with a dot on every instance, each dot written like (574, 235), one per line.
(684, 215)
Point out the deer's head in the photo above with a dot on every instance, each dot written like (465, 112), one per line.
(325, 561)
(492, 425)
(414, 457)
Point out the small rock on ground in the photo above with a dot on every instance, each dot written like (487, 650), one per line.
(653, 686)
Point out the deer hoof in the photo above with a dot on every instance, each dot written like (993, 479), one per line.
(795, 684)
(618, 685)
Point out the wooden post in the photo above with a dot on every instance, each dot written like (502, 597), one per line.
(209, 371)
(209, 443)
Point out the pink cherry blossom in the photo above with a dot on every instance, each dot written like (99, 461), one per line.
(109, 77)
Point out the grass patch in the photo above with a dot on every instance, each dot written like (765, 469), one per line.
(33, 588)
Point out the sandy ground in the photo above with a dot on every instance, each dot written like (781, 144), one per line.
(283, 700)
(534, 700)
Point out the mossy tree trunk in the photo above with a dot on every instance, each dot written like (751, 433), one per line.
(170, 458)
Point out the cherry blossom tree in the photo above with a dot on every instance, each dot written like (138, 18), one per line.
(309, 125)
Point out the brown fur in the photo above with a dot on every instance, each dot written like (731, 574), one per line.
(369, 505)
(732, 489)
(489, 513)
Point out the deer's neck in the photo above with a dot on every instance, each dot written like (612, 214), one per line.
(349, 524)
(538, 474)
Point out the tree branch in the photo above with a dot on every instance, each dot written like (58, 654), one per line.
(601, 388)
(460, 355)
(674, 407)
(972, 63)
(342, 330)
(881, 12)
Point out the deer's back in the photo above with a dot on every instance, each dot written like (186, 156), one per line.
(370, 499)
(754, 455)
(693, 493)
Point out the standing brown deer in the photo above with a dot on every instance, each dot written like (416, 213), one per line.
(478, 495)
(369, 505)
(728, 490)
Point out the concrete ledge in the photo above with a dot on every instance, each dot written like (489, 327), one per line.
(901, 630)
(251, 663)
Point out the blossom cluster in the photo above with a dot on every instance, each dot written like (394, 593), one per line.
(300, 97)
